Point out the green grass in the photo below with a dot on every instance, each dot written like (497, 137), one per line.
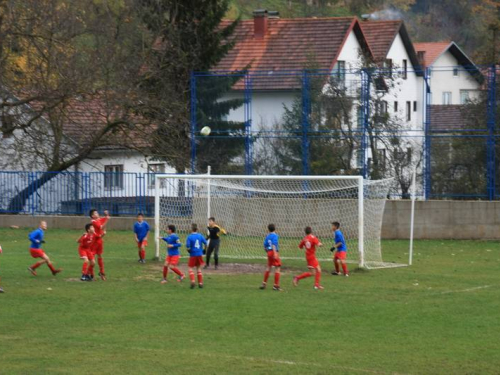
(439, 316)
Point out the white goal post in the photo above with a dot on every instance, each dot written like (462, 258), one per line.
(245, 205)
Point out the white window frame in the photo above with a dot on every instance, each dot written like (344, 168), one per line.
(447, 98)
(153, 169)
(113, 177)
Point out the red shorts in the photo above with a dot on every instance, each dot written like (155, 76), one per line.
(143, 243)
(37, 253)
(340, 255)
(98, 247)
(86, 253)
(196, 261)
(173, 259)
(312, 262)
(271, 261)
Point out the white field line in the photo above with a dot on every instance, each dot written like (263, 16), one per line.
(466, 290)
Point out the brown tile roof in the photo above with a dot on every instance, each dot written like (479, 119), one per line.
(432, 50)
(380, 36)
(449, 118)
(289, 44)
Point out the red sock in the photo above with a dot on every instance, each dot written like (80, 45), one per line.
(337, 268)
(177, 271)
(100, 261)
(142, 254)
(91, 270)
(51, 267)
(317, 278)
(36, 265)
(277, 278)
(266, 276)
(304, 275)
(165, 272)
(344, 268)
(84, 268)
(200, 278)
(191, 276)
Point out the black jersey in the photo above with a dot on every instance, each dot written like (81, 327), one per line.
(214, 232)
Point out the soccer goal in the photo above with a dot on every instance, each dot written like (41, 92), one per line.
(245, 205)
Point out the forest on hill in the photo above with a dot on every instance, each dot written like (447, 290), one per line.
(473, 24)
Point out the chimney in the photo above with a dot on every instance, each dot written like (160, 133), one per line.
(365, 17)
(259, 23)
(273, 14)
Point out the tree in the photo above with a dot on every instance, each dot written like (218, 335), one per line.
(56, 55)
(189, 37)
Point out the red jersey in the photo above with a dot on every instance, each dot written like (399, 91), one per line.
(99, 226)
(86, 241)
(309, 242)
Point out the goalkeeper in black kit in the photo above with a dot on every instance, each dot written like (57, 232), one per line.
(213, 237)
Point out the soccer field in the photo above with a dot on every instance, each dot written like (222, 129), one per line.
(442, 315)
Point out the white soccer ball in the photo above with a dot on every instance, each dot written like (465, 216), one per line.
(205, 131)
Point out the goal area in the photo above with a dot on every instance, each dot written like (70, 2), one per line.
(245, 205)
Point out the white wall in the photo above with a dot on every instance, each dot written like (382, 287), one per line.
(443, 80)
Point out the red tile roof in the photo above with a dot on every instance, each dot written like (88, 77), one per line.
(380, 36)
(432, 50)
(289, 44)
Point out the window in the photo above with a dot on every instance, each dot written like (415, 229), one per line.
(113, 176)
(360, 159)
(464, 96)
(152, 169)
(339, 72)
(382, 157)
(395, 106)
(446, 98)
(414, 106)
(405, 69)
(388, 68)
(455, 72)
(381, 107)
(408, 111)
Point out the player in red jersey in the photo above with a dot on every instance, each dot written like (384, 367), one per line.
(85, 250)
(99, 224)
(309, 242)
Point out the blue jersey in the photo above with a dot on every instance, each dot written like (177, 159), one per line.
(141, 230)
(174, 240)
(194, 244)
(36, 238)
(339, 237)
(270, 240)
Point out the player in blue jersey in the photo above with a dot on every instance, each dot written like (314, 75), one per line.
(36, 238)
(195, 244)
(173, 254)
(141, 230)
(271, 246)
(340, 250)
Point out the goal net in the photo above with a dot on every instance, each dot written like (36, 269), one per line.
(245, 205)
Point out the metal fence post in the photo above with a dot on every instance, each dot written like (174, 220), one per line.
(31, 184)
(306, 111)
(365, 105)
(193, 122)
(490, 143)
(427, 135)
(248, 125)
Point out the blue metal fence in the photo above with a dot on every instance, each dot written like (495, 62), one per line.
(75, 193)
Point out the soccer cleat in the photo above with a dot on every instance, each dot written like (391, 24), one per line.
(181, 277)
(216, 267)
(143, 261)
(33, 272)
(102, 276)
(263, 286)
(318, 287)
(1, 290)
(139, 261)
(84, 278)
(192, 285)
(335, 273)
(295, 281)
(91, 277)
(55, 272)
(200, 286)
(206, 266)
(164, 281)
(346, 275)
(277, 288)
